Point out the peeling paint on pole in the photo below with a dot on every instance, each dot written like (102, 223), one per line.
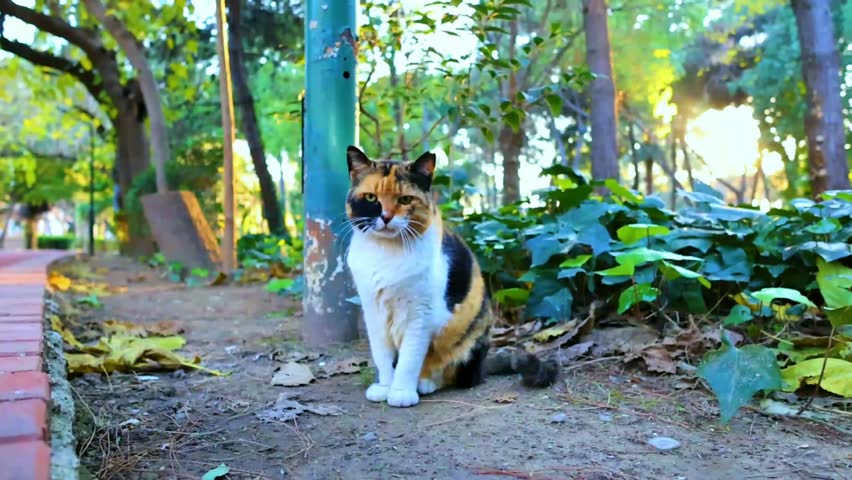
(330, 125)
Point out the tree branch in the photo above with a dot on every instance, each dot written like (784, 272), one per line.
(48, 60)
(87, 40)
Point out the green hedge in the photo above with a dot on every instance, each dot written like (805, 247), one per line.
(55, 242)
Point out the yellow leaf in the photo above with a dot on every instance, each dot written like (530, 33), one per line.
(80, 363)
(662, 53)
(112, 327)
(67, 336)
(553, 332)
(837, 378)
(57, 281)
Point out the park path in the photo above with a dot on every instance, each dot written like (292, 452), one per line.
(24, 387)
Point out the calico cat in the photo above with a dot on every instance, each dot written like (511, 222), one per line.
(426, 306)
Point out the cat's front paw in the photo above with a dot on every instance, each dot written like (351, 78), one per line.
(403, 398)
(377, 393)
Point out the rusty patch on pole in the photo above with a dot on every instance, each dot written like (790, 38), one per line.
(319, 240)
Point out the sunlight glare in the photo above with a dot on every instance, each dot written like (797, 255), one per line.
(726, 139)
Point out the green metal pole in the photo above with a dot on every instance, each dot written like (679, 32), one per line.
(329, 127)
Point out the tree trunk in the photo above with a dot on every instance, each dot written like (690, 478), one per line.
(672, 177)
(6, 226)
(131, 157)
(578, 145)
(829, 167)
(649, 175)
(510, 148)
(510, 140)
(30, 233)
(150, 92)
(248, 121)
(560, 142)
(601, 91)
(226, 102)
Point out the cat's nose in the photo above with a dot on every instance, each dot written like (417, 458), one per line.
(387, 218)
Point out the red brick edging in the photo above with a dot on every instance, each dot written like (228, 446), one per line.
(24, 387)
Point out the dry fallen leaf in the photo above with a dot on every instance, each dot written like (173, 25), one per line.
(57, 281)
(658, 359)
(220, 279)
(286, 409)
(346, 366)
(566, 355)
(508, 397)
(293, 374)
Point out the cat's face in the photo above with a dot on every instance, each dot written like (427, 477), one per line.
(390, 199)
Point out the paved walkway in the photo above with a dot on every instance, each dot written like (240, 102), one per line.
(24, 387)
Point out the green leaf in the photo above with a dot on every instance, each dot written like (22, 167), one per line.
(512, 296)
(837, 378)
(739, 314)
(830, 251)
(767, 295)
(543, 247)
(671, 272)
(620, 190)
(596, 236)
(636, 293)
(577, 261)
(278, 285)
(824, 227)
(554, 101)
(835, 282)
(618, 271)
(736, 374)
(642, 255)
(217, 472)
(630, 234)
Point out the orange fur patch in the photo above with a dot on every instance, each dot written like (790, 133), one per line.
(453, 344)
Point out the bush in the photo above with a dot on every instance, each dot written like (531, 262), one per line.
(55, 242)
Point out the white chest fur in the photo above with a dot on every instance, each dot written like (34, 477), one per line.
(400, 280)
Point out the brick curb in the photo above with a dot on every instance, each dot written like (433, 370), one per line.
(27, 396)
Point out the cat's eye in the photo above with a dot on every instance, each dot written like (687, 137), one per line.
(370, 197)
(405, 199)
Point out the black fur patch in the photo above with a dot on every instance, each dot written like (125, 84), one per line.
(461, 269)
(472, 372)
(362, 208)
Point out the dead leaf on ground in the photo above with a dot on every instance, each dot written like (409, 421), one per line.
(125, 353)
(220, 279)
(658, 359)
(612, 341)
(567, 355)
(504, 336)
(508, 397)
(286, 409)
(345, 366)
(558, 335)
(58, 282)
(690, 343)
(293, 374)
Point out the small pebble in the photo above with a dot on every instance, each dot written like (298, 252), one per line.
(370, 437)
(664, 443)
(558, 418)
(605, 417)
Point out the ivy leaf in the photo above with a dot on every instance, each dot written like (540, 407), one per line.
(637, 293)
(217, 472)
(278, 285)
(837, 378)
(630, 234)
(512, 296)
(830, 251)
(642, 255)
(671, 272)
(767, 295)
(736, 374)
(596, 236)
(577, 261)
(739, 314)
(542, 248)
(835, 281)
(825, 226)
(621, 191)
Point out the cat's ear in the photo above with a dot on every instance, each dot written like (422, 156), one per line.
(425, 165)
(357, 161)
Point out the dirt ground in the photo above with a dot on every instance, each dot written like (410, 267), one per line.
(593, 425)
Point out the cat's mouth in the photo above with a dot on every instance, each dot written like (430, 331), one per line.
(385, 231)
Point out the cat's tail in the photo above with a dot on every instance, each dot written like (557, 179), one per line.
(535, 372)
